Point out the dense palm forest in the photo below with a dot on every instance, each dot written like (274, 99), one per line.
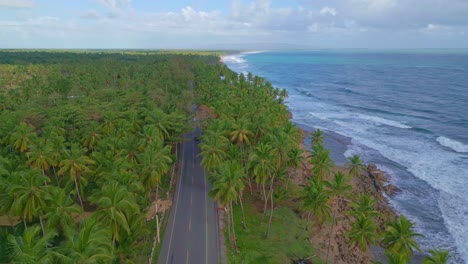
(252, 152)
(88, 141)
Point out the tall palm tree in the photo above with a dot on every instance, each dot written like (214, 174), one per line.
(60, 210)
(338, 186)
(228, 184)
(31, 247)
(393, 258)
(116, 206)
(363, 232)
(92, 243)
(75, 165)
(261, 166)
(365, 206)
(22, 137)
(40, 156)
(156, 162)
(321, 161)
(317, 137)
(295, 160)
(30, 196)
(241, 136)
(213, 151)
(399, 237)
(437, 257)
(355, 165)
(314, 200)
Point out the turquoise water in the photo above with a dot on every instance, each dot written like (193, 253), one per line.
(406, 111)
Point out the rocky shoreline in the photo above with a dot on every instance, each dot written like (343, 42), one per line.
(373, 182)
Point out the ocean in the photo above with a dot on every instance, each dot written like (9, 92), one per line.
(405, 111)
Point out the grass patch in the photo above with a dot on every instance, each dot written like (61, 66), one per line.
(287, 240)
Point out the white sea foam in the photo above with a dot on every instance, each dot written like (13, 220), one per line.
(358, 118)
(234, 59)
(383, 121)
(254, 52)
(453, 144)
(454, 209)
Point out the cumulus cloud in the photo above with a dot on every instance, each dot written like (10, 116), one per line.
(336, 22)
(17, 3)
(328, 11)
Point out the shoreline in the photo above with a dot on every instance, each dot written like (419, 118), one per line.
(340, 250)
(338, 145)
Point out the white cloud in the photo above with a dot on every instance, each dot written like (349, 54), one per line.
(115, 5)
(328, 11)
(436, 28)
(17, 3)
(372, 6)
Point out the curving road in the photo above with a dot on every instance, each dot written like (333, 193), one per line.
(191, 234)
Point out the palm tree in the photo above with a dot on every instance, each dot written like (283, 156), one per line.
(363, 232)
(364, 206)
(228, 185)
(40, 157)
(91, 137)
(22, 137)
(399, 237)
(156, 162)
(91, 244)
(31, 248)
(261, 166)
(240, 135)
(314, 200)
(116, 206)
(321, 161)
(355, 165)
(295, 159)
(213, 151)
(75, 165)
(317, 137)
(437, 257)
(393, 258)
(338, 187)
(29, 196)
(60, 210)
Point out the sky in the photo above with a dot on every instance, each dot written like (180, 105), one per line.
(233, 24)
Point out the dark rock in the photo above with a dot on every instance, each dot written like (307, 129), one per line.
(391, 189)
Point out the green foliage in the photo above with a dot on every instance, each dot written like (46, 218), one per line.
(437, 257)
(399, 237)
(90, 133)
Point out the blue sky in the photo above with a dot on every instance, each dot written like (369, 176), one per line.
(258, 24)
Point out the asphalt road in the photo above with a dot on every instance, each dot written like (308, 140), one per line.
(191, 234)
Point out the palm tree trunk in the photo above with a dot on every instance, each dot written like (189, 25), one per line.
(270, 194)
(156, 217)
(243, 215)
(271, 214)
(229, 224)
(265, 206)
(307, 222)
(56, 178)
(43, 174)
(78, 192)
(42, 226)
(331, 234)
(233, 225)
